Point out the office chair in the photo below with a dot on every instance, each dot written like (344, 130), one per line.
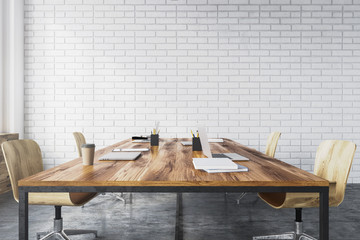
(333, 163)
(270, 149)
(23, 158)
(80, 140)
(271, 143)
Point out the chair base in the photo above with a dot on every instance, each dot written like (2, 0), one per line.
(114, 196)
(63, 234)
(297, 235)
(56, 235)
(290, 235)
(240, 197)
(236, 199)
(59, 233)
(121, 197)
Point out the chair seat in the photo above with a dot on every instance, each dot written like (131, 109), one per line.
(60, 198)
(299, 200)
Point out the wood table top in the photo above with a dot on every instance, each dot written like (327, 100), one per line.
(170, 164)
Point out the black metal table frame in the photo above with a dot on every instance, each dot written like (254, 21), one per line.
(322, 190)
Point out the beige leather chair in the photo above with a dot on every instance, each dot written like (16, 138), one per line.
(270, 149)
(333, 162)
(271, 143)
(23, 158)
(80, 140)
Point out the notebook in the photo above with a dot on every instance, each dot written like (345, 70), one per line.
(239, 169)
(211, 140)
(214, 163)
(130, 150)
(215, 140)
(140, 141)
(120, 156)
(232, 156)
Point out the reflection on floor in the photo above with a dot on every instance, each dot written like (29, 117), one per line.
(206, 216)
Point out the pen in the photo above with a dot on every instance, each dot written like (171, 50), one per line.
(197, 133)
(192, 134)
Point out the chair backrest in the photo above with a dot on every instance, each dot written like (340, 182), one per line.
(333, 163)
(271, 143)
(80, 140)
(23, 158)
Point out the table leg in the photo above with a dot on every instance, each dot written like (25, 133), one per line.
(179, 218)
(23, 215)
(324, 214)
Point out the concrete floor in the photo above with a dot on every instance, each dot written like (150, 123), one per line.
(206, 216)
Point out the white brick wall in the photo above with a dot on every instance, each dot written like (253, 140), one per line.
(111, 68)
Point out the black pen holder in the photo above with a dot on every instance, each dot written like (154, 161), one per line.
(154, 140)
(196, 144)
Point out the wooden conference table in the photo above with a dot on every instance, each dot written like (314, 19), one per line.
(169, 168)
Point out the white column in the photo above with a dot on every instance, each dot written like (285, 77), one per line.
(12, 69)
(1, 66)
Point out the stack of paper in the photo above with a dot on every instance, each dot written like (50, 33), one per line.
(217, 165)
(213, 163)
(119, 156)
(130, 150)
(239, 169)
(215, 140)
(186, 143)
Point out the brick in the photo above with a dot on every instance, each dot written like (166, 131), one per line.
(242, 67)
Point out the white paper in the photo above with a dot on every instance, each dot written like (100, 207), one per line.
(186, 143)
(140, 141)
(189, 143)
(214, 163)
(236, 157)
(240, 169)
(120, 156)
(130, 150)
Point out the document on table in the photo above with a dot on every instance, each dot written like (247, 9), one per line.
(130, 150)
(240, 169)
(215, 140)
(214, 163)
(140, 141)
(120, 156)
(235, 157)
(218, 165)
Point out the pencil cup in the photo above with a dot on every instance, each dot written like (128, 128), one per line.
(196, 144)
(87, 151)
(154, 140)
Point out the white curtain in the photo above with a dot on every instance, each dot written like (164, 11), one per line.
(12, 66)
